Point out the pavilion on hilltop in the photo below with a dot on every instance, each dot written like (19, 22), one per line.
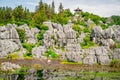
(78, 10)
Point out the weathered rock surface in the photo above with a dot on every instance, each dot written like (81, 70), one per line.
(105, 37)
(7, 66)
(66, 38)
(30, 33)
(38, 52)
(9, 40)
(116, 54)
(100, 55)
(63, 37)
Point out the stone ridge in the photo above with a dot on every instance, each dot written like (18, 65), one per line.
(59, 37)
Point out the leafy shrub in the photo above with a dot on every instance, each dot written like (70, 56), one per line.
(22, 70)
(87, 43)
(86, 30)
(104, 26)
(117, 45)
(1, 24)
(40, 35)
(42, 27)
(115, 63)
(51, 53)
(19, 23)
(28, 46)
(116, 20)
(28, 56)
(21, 33)
(81, 23)
(12, 56)
(40, 74)
(39, 43)
(77, 28)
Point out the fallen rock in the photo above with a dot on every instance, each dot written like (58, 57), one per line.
(38, 52)
(7, 66)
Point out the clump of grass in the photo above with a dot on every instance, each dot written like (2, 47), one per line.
(115, 63)
(87, 43)
(28, 56)
(12, 56)
(37, 66)
(67, 62)
(51, 54)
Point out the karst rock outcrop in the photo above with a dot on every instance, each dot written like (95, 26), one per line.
(64, 41)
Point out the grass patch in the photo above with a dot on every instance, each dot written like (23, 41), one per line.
(51, 54)
(28, 46)
(87, 43)
(67, 62)
(115, 63)
(12, 56)
(117, 45)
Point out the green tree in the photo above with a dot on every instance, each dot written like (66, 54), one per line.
(18, 13)
(61, 8)
(53, 8)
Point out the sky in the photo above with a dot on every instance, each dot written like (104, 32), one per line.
(103, 8)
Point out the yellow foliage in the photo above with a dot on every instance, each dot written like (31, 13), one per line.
(37, 66)
(12, 56)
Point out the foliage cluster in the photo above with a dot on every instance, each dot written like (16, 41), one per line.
(116, 20)
(40, 35)
(51, 54)
(21, 33)
(12, 56)
(115, 63)
(28, 46)
(87, 43)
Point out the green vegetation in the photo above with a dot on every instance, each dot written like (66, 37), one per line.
(43, 12)
(115, 63)
(117, 45)
(68, 62)
(86, 30)
(21, 33)
(51, 54)
(28, 46)
(87, 43)
(77, 28)
(21, 72)
(43, 29)
(40, 74)
(116, 20)
(12, 56)
(28, 56)
(93, 17)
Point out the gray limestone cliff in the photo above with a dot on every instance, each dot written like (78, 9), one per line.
(64, 37)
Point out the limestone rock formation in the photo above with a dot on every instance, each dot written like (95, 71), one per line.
(116, 54)
(9, 40)
(7, 66)
(103, 37)
(64, 41)
(38, 52)
(30, 33)
(100, 55)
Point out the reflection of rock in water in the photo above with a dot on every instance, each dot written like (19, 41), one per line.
(32, 74)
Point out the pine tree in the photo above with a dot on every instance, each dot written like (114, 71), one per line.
(18, 13)
(53, 7)
(61, 8)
